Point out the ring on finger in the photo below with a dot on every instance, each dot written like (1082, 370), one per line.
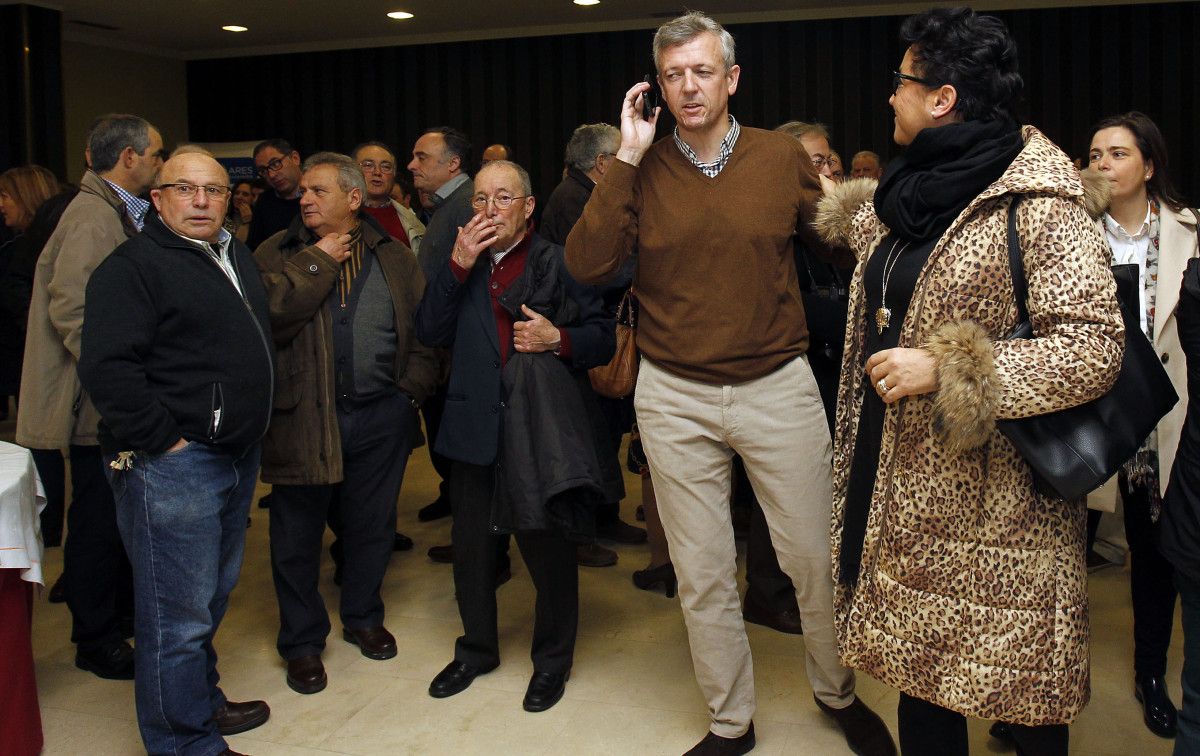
(882, 386)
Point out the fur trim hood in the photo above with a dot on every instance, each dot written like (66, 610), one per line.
(1040, 168)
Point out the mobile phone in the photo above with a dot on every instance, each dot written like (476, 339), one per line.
(649, 98)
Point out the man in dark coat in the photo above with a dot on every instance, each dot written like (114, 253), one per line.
(590, 151)
(177, 358)
(462, 309)
(440, 168)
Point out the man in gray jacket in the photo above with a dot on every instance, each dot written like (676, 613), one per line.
(126, 153)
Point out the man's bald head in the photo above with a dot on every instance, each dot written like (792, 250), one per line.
(200, 215)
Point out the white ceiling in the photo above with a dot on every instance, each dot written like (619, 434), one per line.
(189, 29)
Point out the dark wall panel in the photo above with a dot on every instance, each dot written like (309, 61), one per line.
(1079, 64)
(31, 90)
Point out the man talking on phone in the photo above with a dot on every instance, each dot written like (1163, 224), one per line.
(723, 338)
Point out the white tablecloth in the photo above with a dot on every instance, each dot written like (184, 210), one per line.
(22, 500)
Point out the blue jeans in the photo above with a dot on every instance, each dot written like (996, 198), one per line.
(1187, 738)
(182, 516)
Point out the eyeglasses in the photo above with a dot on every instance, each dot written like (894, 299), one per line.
(503, 201)
(898, 77)
(820, 161)
(370, 165)
(187, 191)
(272, 166)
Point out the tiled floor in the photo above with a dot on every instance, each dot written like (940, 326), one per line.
(631, 690)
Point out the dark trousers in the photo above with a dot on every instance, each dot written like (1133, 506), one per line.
(766, 583)
(432, 410)
(53, 472)
(376, 441)
(617, 417)
(98, 577)
(1187, 741)
(1151, 584)
(551, 562)
(927, 729)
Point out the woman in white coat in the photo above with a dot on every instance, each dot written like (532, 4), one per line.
(1147, 224)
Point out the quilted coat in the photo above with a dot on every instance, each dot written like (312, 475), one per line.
(972, 591)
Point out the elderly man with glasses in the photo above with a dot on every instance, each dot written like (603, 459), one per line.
(504, 304)
(378, 164)
(277, 163)
(342, 296)
(176, 354)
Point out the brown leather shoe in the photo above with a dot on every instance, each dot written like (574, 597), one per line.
(235, 717)
(865, 732)
(306, 674)
(373, 642)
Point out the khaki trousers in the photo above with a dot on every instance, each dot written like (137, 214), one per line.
(690, 431)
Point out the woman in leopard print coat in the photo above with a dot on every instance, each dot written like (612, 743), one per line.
(970, 587)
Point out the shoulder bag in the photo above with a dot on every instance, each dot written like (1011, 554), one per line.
(1074, 451)
(617, 379)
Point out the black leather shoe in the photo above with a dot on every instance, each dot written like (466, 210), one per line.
(455, 678)
(373, 642)
(435, 510)
(621, 532)
(402, 543)
(306, 674)
(442, 554)
(663, 575)
(235, 717)
(58, 592)
(1157, 710)
(787, 621)
(715, 745)
(545, 689)
(1002, 731)
(594, 555)
(503, 575)
(113, 661)
(865, 732)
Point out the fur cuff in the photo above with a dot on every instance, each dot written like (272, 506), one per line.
(1097, 192)
(964, 410)
(834, 219)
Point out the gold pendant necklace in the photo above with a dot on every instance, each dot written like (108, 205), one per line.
(883, 315)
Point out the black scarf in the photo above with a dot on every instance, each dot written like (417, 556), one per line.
(925, 189)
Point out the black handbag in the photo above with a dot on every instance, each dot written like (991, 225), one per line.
(1074, 451)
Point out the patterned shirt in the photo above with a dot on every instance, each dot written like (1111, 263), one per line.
(712, 169)
(135, 207)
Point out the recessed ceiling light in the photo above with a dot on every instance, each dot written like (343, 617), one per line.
(587, 2)
(400, 15)
(234, 28)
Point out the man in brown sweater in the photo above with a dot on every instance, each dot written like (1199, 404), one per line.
(712, 211)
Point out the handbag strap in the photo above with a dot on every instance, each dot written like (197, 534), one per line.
(1015, 263)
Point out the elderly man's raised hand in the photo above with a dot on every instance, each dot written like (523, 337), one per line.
(473, 238)
(637, 134)
(336, 245)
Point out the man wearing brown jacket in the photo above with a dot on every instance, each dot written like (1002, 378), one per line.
(54, 412)
(350, 378)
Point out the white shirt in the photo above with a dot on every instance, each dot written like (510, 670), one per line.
(1131, 249)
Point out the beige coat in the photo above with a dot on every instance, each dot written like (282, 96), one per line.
(1176, 245)
(412, 226)
(54, 410)
(972, 592)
